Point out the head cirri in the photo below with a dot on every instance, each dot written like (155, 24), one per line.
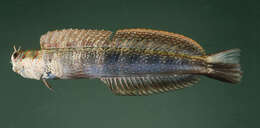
(26, 64)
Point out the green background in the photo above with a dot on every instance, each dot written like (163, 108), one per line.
(216, 25)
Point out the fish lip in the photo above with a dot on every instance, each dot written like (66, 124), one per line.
(15, 70)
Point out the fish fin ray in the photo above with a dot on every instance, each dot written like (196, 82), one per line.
(156, 40)
(74, 38)
(45, 82)
(127, 38)
(224, 66)
(143, 85)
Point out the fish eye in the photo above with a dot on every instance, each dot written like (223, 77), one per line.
(15, 55)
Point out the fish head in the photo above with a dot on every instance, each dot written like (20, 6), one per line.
(26, 66)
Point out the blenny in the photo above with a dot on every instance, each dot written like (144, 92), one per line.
(130, 62)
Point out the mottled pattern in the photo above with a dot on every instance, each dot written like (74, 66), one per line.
(111, 62)
(131, 62)
(28, 64)
(155, 39)
(74, 38)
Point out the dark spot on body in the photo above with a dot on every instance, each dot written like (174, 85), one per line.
(111, 58)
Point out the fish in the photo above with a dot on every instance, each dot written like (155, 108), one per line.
(132, 62)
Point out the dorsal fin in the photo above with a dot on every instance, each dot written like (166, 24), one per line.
(128, 38)
(148, 85)
(74, 38)
(155, 39)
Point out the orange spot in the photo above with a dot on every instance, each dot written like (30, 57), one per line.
(25, 54)
(35, 55)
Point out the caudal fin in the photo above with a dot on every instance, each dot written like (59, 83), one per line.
(225, 66)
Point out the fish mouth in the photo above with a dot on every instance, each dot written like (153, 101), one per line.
(15, 70)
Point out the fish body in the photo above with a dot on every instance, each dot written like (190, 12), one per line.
(132, 62)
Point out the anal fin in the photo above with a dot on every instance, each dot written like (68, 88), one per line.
(133, 86)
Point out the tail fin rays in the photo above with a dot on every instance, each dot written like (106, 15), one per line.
(225, 66)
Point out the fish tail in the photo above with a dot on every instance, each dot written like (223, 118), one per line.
(224, 66)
